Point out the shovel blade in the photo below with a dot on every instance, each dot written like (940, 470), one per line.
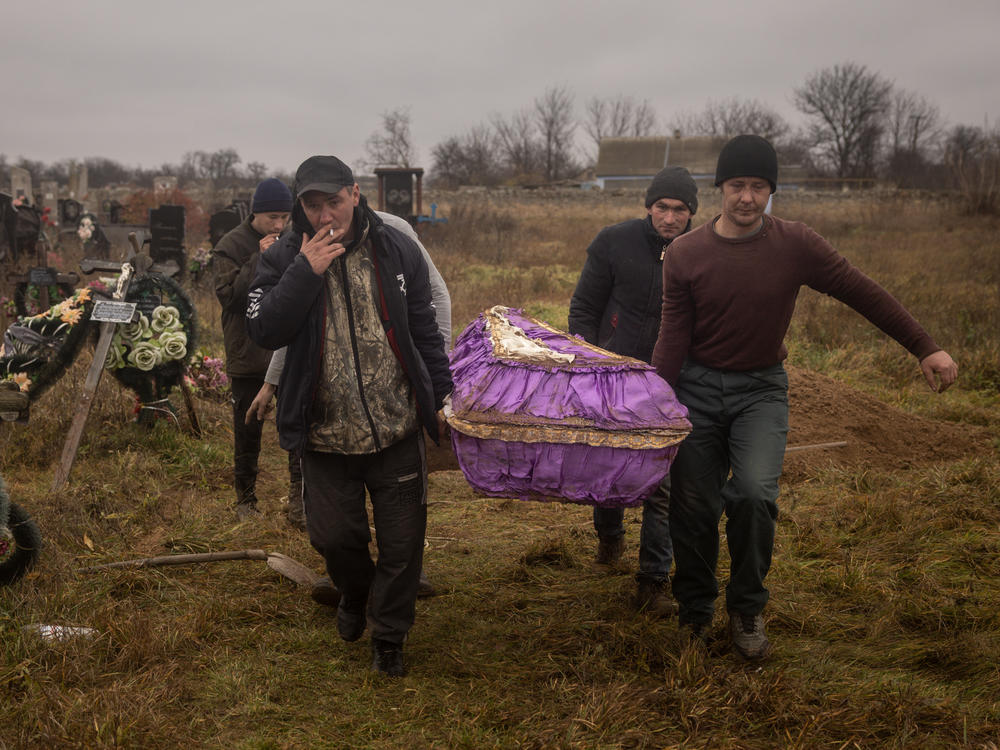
(291, 569)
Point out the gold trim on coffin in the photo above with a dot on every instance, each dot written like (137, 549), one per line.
(562, 434)
(497, 325)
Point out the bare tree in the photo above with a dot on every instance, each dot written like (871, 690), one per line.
(102, 171)
(973, 155)
(914, 123)
(847, 105)
(731, 117)
(218, 165)
(470, 159)
(618, 117)
(518, 144)
(913, 130)
(392, 145)
(553, 112)
(256, 170)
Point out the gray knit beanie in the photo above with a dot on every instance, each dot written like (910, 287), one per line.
(675, 183)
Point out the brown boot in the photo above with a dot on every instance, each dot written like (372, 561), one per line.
(609, 549)
(425, 588)
(653, 598)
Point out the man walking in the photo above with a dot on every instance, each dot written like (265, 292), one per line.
(234, 261)
(617, 306)
(729, 293)
(365, 372)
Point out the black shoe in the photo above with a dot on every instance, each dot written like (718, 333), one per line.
(694, 632)
(387, 658)
(325, 593)
(425, 588)
(351, 619)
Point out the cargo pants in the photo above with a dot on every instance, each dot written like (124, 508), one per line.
(337, 521)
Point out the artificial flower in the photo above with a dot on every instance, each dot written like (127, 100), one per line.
(166, 318)
(145, 355)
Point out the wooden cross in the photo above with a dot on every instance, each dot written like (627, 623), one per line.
(90, 385)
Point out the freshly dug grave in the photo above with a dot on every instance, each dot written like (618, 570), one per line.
(823, 410)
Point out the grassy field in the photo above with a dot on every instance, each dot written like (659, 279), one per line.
(885, 587)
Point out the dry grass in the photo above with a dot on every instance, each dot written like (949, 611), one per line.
(885, 587)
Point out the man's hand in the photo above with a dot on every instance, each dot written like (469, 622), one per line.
(322, 248)
(444, 431)
(267, 240)
(261, 404)
(941, 365)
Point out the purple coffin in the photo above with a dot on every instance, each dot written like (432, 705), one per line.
(538, 414)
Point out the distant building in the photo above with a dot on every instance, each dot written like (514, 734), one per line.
(630, 163)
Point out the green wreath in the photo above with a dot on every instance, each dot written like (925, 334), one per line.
(27, 295)
(150, 356)
(20, 540)
(38, 349)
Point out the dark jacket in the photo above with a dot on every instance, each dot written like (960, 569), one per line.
(617, 301)
(234, 264)
(288, 308)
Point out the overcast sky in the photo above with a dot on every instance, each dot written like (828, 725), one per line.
(144, 82)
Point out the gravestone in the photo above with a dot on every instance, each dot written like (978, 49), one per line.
(70, 211)
(224, 221)
(78, 182)
(20, 184)
(399, 191)
(166, 228)
(50, 199)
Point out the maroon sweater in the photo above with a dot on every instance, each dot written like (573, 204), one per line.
(727, 303)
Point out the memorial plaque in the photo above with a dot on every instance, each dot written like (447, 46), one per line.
(108, 311)
(399, 194)
(42, 276)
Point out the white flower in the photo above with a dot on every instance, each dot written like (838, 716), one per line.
(136, 331)
(166, 318)
(174, 344)
(116, 355)
(145, 355)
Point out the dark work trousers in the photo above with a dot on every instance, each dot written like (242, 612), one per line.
(730, 462)
(337, 520)
(655, 549)
(246, 438)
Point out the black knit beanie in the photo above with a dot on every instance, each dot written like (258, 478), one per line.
(271, 196)
(674, 183)
(748, 156)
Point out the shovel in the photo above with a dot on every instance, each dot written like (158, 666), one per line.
(284, 565)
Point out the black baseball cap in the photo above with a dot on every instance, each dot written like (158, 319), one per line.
(327, 174)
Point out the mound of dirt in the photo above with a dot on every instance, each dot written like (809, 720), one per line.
(878, 436)
(823, 410)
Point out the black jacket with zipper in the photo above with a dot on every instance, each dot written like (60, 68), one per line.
(287, 307)
(617, 301)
